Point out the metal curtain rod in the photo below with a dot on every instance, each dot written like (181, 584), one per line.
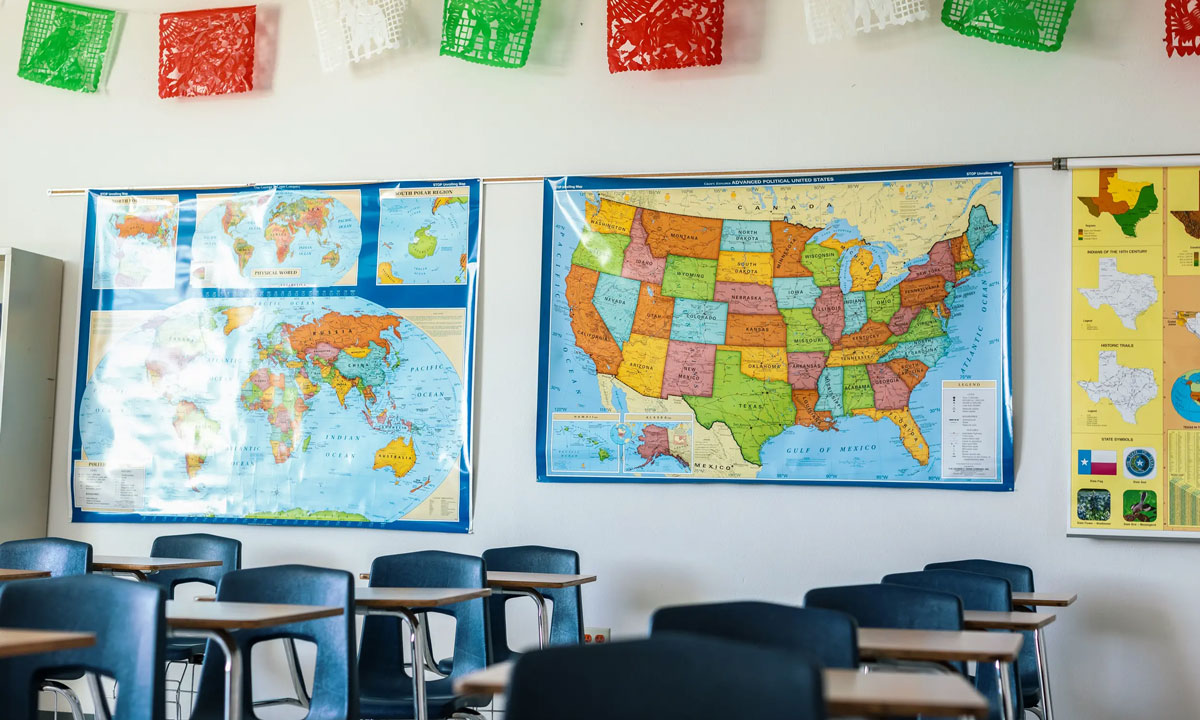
(1059, 163)
(508, 180)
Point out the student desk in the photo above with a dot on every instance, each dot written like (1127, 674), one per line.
(15, 642)
(1044, 599)
(406, 604)
(847, 692)
(140, 567)
(529, 585)
(1000, 649)
(214, 621)
(1034, 622)
(6, 574)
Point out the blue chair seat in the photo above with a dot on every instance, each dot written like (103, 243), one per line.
(184, 651)
(385, 685)
(440, 701)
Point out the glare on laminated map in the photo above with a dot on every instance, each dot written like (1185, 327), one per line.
(65, 45)
(664, 34)
(1183, 27)
(1029, 24)
(839, 19)
(355, 30)
(490, 32)
(206, 52)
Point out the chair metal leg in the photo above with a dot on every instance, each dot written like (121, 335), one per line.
(65, 693)
(1006, 686)
(100, 709)
(1044, 668)
(302, 699)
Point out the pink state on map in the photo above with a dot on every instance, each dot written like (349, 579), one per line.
(640, 264)
(829, 310)
(805, 368)
(940, 264)
(746, 298)
(891, 393)
(689, 369)
(902, 319)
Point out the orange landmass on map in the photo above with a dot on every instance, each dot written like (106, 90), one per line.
(591, 333)
(670, 234)
(132, 226)
(807, 414)
(787, 242)
(756, 330)
(654, 312)
(872, 333)
(912, 372)
(341, 332)
(235, 317)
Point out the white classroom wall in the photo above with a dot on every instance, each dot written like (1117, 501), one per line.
(916, 94)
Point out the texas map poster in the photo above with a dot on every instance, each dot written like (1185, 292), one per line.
(295, 355)
(1135, 381)
(846, 329)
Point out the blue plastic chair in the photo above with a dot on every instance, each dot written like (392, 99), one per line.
(666, 676)
(977, 592)
(59, 557)
(1020, 577)
(128, 621)
(335, 691)
(385, 685)
(891, 606)
(198, 546)
(827, 636)
(566, 623)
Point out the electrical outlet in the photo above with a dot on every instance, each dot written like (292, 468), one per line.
(596, 636)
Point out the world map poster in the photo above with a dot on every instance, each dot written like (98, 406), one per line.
(294, 355)
(847, 329)
(1135, 382)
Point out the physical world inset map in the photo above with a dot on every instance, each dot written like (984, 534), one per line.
(843, 329)
(290, 355)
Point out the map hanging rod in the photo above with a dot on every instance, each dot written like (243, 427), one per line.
(1060, 163)
(510, 180)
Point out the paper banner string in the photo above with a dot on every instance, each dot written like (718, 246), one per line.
(65, 45)
(1029, 24)
(206, 52)
(664, 34)
(491, 32)
(1183, 28)
(354, 30)
(839, 19)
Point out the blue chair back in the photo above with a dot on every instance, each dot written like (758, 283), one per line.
(57, 556)
(195, 546)
(566, 624)
(977, 592)
(827, 636)
(380, 659)
(891, 606)
(334, 686)
(651, 679)
(128, 621)
(1020, 577)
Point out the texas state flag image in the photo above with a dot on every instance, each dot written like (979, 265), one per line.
(1097, 462)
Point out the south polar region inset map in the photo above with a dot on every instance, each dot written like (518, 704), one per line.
(847, 329)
